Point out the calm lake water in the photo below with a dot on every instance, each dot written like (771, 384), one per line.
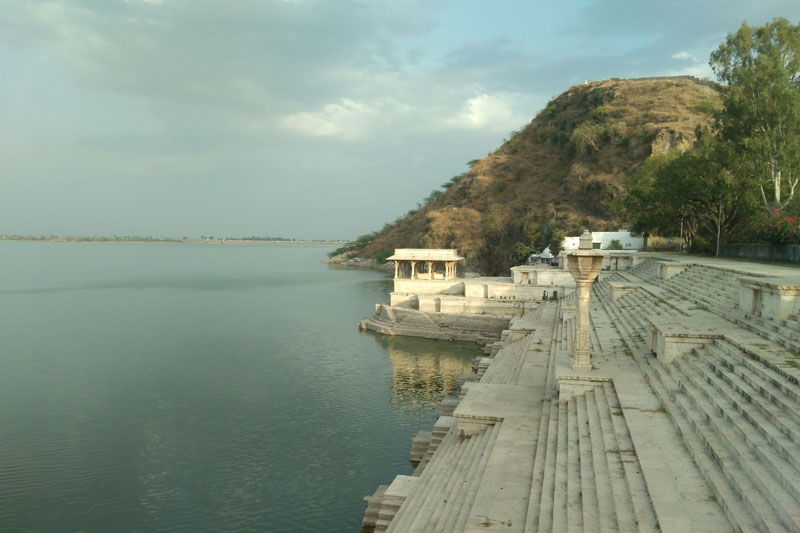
(169, 387)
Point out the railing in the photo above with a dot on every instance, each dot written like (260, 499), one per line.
(788, 253)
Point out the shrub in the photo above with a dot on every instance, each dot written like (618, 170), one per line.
(706, 106)
(360, 242)
(778, 226)
(614, 245)
(549, 111)
(599, 113)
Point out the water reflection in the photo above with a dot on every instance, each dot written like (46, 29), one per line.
(423, 371)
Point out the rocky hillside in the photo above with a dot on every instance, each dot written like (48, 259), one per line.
(560, 173)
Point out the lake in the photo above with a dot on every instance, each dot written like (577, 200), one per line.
(180, 387)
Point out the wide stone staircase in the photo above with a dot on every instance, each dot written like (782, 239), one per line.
(736, 410)
(716, 290)
(713, 288)
(586, 472)
(446, 489)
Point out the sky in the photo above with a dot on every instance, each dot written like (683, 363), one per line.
(318, 119)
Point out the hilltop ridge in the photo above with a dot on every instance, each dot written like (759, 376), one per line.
(562, 170)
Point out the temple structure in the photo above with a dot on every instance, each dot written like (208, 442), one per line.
(422, 263)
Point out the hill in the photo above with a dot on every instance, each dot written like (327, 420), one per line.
(558, 174)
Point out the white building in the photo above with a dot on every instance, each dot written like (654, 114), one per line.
(602, 239)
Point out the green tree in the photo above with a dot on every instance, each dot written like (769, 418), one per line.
(694, 193)
(761, 105)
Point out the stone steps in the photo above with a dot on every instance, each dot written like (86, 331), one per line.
(714, 288)
(419, 447)
(648, 269)
(758, 491)
(696, 291)
(447, 488)
(783, 332)
(759, 391)
(412, 504)
(586, 476)
(507, 363)
(543, 463)
(705, 457)
(775, 385)
(772, 455)
(440, 430)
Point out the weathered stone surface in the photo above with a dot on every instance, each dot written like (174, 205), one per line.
(703, 436)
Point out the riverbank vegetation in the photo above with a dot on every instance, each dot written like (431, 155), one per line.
(738, 182)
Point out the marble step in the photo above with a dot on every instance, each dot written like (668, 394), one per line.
(771, 500)
(459, 512)
(589, 487)
(436, 472)
(607, 507)
(626, 517)
(707, 463)
(760, 397)
(543, 470)
(774, 453)
(443, 489)
(419, 446)
(772, 385)
(574, 480)
(554, 509)
(640, 496)
(743, 503)
(787, 381)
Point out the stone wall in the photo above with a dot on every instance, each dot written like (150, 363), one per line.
(789, 253)
(409, 322)
(424, 286)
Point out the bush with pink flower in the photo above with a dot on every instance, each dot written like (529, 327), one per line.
(778, 226)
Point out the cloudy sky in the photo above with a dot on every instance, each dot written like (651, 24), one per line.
(301, 118)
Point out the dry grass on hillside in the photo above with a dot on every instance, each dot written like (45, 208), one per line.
(565, 167)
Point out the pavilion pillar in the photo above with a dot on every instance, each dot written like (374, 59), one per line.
(413, 270)
(396, 269)
(430, 269)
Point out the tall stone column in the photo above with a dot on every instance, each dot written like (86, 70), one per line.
(581, 352)
(584, 265)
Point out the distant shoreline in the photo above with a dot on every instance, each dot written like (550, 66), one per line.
(166, 241)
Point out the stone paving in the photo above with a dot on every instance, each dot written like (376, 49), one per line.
(688, 421)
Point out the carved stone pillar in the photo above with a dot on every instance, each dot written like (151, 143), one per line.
(584, 265)
(581, 352)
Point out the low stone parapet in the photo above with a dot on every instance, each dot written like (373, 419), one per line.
(672, 338)
(670, 269)
(621, 288)
(775, 298)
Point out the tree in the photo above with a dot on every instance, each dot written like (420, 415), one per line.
(761, 105)
(693, 192)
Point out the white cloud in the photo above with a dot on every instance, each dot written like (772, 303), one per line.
(346, 120)
(683, 55)
(491, 112)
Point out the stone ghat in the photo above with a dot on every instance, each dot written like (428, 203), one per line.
(390, 320)
(689, 421)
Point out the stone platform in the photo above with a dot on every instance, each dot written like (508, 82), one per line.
(689, 420)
